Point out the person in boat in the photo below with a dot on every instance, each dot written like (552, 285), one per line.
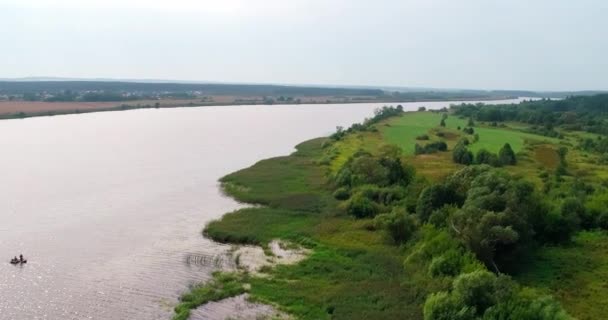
(20, 258)
(15, 260)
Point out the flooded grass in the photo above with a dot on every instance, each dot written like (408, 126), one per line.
(223, 285)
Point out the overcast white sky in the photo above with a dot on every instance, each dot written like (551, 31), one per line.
(487, 44)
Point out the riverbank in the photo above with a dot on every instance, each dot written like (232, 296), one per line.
(352, 272)
(370, 256)
(28, 109)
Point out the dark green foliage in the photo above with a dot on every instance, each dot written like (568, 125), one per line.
(439, 217)
(383, 195)
(360, 206)
(383, 170)
(431, 147)
(586, 113)
(461, 154)
(506, 156)
(525, 307)
(560, 225)
(482, 295)
(442, 123)
(443, 306)
(494, 221)
(432, 198)
(368, 170)
(486, 157)
(399, 224)
(342, 193)
(468, 130)
(448, 264)
(423, 137)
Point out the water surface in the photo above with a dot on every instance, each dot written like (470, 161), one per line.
(108, 207)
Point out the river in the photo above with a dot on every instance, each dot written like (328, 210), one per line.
(108, 207)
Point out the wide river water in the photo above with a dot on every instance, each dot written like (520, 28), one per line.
(108, 207)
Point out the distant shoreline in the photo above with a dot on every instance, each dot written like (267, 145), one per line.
(30, 109)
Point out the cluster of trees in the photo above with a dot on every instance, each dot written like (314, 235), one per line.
(599, 145)
(432, 147)
(371, 183)
(505, 157)
(481, 295)
(497, 216)
(461, 154)
(484, 219)
(379, 115)
(586, 113)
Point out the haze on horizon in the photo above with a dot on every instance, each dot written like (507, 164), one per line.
(476, 44)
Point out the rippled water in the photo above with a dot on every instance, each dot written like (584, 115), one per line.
(108, 207)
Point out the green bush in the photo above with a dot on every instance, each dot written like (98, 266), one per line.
(361, 207)
(448, 264)
(399, 224)
(342, 193)
(506, 156)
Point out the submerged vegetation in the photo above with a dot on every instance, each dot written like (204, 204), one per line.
(410, 216)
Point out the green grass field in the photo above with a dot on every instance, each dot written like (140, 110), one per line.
(403, 131)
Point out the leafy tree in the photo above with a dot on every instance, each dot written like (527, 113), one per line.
(431, 147)
(440, 216)
(526, 307)
(399, 224)
(443, 306)
(486, 157)
(494, 221)
(481, 295)
(432, 198)
(361, 207)
(506, 155)
(461, 154)
(448, 264)
(367, 170)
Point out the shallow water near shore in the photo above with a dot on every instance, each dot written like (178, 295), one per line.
(108, 207)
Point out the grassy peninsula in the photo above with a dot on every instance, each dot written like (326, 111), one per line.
(472, 212)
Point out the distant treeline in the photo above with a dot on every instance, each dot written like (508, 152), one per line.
(25, 87)
(584, 113)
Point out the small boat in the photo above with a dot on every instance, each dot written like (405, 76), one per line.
(13, 261)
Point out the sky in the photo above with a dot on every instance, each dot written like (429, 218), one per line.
(472, 44)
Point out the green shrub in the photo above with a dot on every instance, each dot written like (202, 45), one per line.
(342, 193)
(506, 156)
(360, 206)
(399, 224)
(448, 264)
(423, 137)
